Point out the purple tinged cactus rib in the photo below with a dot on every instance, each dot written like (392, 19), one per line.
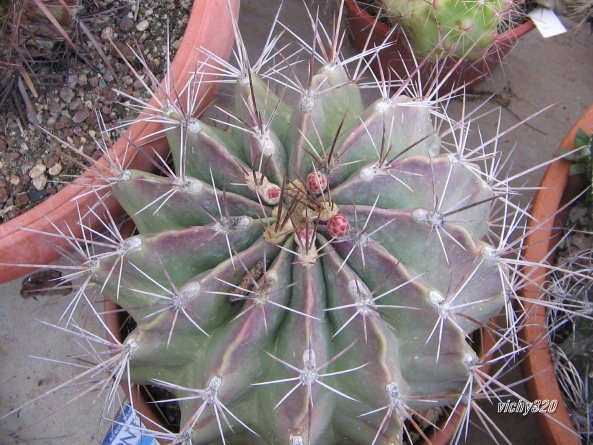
(405, 305)
(197, 249)
(366, 302)
(153, 202)
(175, 300)
(410, 318)
(370, 338)
(204, 398)
(391, 128)
(397, 407)
(260, 144)
(309, 375)
(296, 416)
(207, 148)
(323, 106)
(403, 186)
(229, 354)
(464, 266)
(390, 280)
(271, 108)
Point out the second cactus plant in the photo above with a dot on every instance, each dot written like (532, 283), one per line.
(462, 29)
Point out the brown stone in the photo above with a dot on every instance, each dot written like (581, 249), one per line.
(21, 200)
(80, 116)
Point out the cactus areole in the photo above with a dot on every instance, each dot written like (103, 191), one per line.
(311, 274)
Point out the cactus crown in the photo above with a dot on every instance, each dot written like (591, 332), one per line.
(313, 273)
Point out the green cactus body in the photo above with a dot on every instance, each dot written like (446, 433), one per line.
(312, 277)
(463, 29)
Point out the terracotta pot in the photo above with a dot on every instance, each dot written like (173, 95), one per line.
(398, 57)
(557, 189)
(210, 27)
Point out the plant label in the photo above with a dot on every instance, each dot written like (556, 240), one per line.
(547, 22)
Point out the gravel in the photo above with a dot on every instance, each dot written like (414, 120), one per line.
(33, 165)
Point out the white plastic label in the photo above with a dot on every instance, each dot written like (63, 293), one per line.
(128, 430)
(547, 22)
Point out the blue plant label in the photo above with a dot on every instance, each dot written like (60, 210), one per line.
(128, 430)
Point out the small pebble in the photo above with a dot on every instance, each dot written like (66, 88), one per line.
(36, 142)
(107, 77)
(80, 116)
(39, 182)
(25, 167)
(143, 25)
(56, 169)
(88, 149)
(21, 200)
(37, 170)
(36, 194)
(54, 108)
(107, 33)
(126, 24)
(75, 104)
(13, 156)
(576, 213)
(66, 94)
(72, 80)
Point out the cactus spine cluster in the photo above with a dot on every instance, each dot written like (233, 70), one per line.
(313, 273)
(463, 29)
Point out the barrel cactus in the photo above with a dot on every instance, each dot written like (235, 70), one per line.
(311, 274)
(463, 29)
